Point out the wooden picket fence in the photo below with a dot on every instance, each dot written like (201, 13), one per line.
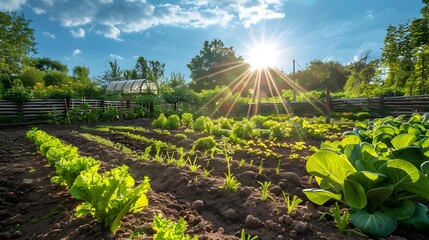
(38, 110)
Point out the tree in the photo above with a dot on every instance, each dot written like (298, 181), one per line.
(55, 78)
(114, 73)
(45, 64)
(212, 67)
(81, 73)
(16, 42)
(130, 74)
(362, 74)
(176, 80)
(30, 76)
(149, 69)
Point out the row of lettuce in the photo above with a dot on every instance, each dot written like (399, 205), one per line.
(380, 171)
(107, 196)
(271, 127)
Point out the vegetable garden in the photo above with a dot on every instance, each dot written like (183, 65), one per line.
(177, 177)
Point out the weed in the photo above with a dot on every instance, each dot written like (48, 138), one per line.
(231, 183)
(193, 166)
(265, 192)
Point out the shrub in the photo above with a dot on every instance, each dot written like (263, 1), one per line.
(245, 129)
(187, 119)
(160, 121)
(172, 122)
(18, 93)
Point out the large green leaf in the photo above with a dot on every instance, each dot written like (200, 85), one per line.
(377, 224)
(367, 179)
(425, 168)
(404, 210)
(320, 196)
(403, 140)
(409, 128)
(377, 196)
(405, 176)
(354, 194)
(412, 154)
(328, 164)
(419, 220)
(424, 142)
(390, 130)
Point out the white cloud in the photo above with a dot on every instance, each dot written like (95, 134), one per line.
(369, 15)
(11, 5)
(116, 56)
(77, 52)
(51, 35)
(112, 18)
(80, 33)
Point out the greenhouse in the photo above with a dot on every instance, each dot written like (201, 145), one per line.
(137, 86)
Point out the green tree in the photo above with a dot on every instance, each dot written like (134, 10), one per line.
(55, 78)
(130, 74)
(149, 69)
(114, 73)
(16, 42)
(81, 73)
(213, 66)
(46, 64)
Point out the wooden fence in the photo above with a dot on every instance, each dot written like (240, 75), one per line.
(38, 110)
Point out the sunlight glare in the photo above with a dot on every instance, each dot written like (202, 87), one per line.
(262, 56)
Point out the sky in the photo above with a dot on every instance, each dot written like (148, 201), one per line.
(92, 32)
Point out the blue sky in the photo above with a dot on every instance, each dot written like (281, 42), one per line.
(90, 32)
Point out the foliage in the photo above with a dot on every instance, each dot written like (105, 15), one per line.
(245, 236)
(187, 119)
(244, 129)
(109, 196)
(201, 123)
(172, 122)
(17, 37)
(206, 68)
(231, 183)
(46, 64)
(265, 192)
(30, 76)
(291, 204)
(18, 93)
(342, 220)
(205, 143)
(169, 230)
(377, 170)
(160, 121)
(114, 73)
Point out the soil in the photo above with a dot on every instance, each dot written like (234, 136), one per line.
(31, 207)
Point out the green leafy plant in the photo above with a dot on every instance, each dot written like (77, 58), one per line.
(231, 183)
(291, 204)
(265, 191)
(342, 220)
(18, 93)
(180, 136)
(109, 196)
(205, 143)
(193, 166)
(169, 230)
(245, 236)
(187, 119)
(261, 166)
(172, 122)
(160, 121)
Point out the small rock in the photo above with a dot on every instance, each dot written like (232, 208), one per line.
(197, 205)
(299, 226)
(17, 234)
(230, 214)
(270, 224)
(277, 190)
(57, 226)
(221, 230)
(252, 222)
(288, 219)
(293, 234)
(293, 178)
(280, 237)
(248, 175)
(27, 180)
(245, 192)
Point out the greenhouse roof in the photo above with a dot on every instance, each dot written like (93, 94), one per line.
(137, 86)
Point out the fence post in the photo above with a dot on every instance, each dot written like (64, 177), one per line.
(328, 105)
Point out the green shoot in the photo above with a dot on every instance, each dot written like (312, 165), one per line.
(193, 166)
(342, 220)
(207, 172)
(291, 204)
(231, 183)
(261, 167)
(241, 163)
(278, 166)
(170, 158)
(265, 192)
(251, 163)
(245, 236)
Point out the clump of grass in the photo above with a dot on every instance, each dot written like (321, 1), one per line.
(291, 203)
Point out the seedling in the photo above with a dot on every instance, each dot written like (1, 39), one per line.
(245, 236)
(261, 166)
(278, 166)
(193, 166)
(231, 183)
(265, 192)
(241, 163)
(342, 220)
(291, 204)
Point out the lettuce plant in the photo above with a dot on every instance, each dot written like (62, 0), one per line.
(109, 196)
(169, 230)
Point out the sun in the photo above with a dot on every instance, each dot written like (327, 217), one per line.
(262, 56)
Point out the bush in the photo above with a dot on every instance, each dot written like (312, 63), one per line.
(187, 119)
(172, 122)
(245, 129)
(18, 93)
(160, 121)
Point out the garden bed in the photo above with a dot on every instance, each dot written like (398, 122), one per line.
(34, 208)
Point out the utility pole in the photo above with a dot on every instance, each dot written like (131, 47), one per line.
(294, 82)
